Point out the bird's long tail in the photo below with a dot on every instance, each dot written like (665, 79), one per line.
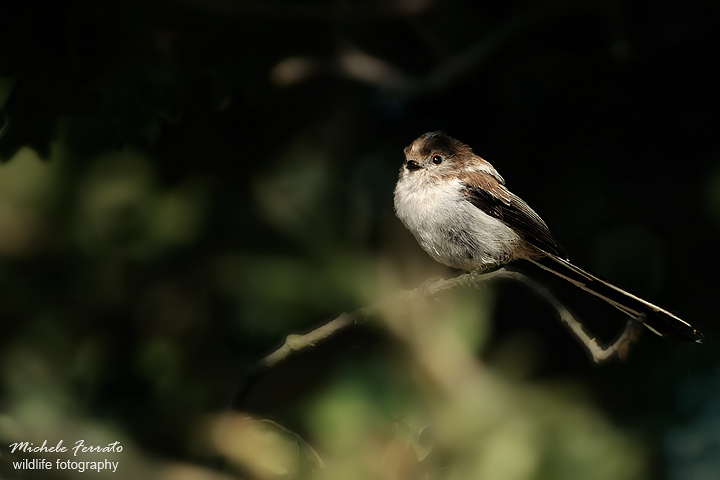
(655, 318)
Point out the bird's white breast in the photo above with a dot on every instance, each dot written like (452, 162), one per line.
(450, 228)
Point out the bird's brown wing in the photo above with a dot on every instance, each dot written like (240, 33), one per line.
(487, 194)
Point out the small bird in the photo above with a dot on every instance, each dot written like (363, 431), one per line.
(457, 206)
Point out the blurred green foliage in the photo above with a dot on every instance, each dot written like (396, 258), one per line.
(185, 183)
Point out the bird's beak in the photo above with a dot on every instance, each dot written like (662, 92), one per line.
(412, 165)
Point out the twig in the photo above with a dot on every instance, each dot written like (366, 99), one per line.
(295, 343)
(357, 65)
(598, 353)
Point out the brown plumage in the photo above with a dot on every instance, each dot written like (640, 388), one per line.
(457, 206)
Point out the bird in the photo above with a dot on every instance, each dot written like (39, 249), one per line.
(461, 213)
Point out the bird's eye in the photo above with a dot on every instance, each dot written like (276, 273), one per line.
(437, 159)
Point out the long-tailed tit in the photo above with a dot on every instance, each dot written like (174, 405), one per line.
(457, 206)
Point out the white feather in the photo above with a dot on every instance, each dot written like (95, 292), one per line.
(450, 228)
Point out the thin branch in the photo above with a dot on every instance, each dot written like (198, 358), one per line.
(357, 65)
(598, 353)
(295, 343)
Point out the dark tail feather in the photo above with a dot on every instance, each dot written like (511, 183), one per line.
(655, 318)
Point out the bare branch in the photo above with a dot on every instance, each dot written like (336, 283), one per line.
(355, 64)
(598, 353)
(296, 343)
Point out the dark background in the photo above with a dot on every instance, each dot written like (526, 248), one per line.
(184, 183)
